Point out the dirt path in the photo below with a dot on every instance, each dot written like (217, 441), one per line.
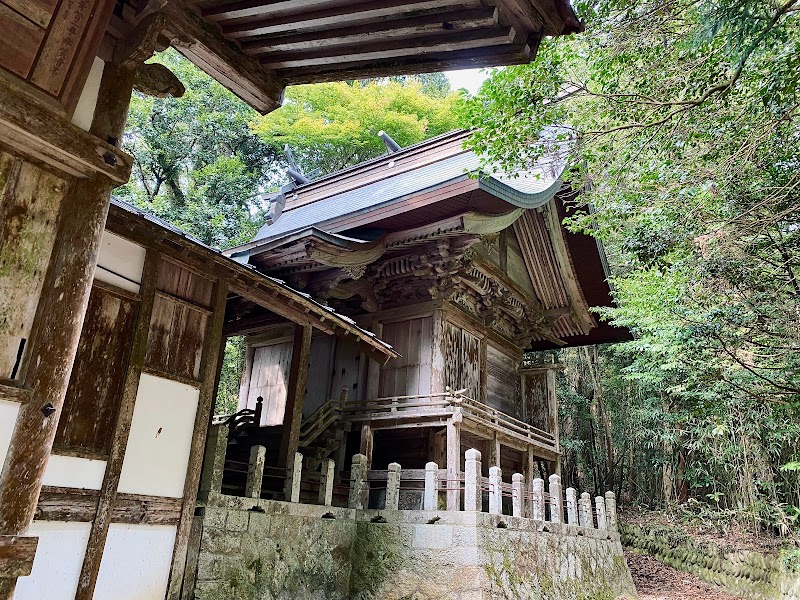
(657, 581)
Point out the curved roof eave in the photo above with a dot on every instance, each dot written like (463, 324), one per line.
(517, 197)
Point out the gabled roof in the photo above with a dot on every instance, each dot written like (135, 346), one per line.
(322, 204)
(128, 218)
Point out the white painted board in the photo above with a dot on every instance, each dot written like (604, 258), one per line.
(120, 262)
(160, 438)
(8, 419)
(74, 472)
(84, 111)
(136, 562)
(58, 561)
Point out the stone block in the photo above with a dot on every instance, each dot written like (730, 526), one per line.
(433, 536)
(237, 520)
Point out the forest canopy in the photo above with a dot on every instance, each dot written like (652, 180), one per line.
(682, 121)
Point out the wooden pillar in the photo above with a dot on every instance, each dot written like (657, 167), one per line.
(374, 370)
(453, 462)
(437, 353)
(210, 368)
(58, 324)
(293, 414)
(552, 398)
(119, 443)
(367, 443)
(494, 451)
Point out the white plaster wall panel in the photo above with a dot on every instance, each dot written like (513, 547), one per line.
(58, 561)
(84, 111)
(71, 471)
(136, 562)
(8, 419)
(120, 262)
(160, 438)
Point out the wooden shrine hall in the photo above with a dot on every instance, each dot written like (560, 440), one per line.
(462, 275)
(80, 347)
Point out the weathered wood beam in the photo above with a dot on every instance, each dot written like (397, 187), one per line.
(452, 22)
(293, 413)
(16, 555)
(346, 14)
(210, 367)
(39, 130)
(540, 16)
(72, 504)
(489, 56)
(419, 45)
(108, 491)
(223, 60)
(54, 343)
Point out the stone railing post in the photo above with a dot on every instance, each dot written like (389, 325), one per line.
(517, 495)
(537, 499)
(214, 460)
(326, 477)
(611, 510)
(572, 506)
(585, 504)
(359, 486)
(556, 499)
(393, 487)
(473, 495)
(255, 472)
(495, 491)
(600, 506)
(431, 494)
(297, 476)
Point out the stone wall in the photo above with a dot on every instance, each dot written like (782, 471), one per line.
(262, 549)
(744, 574)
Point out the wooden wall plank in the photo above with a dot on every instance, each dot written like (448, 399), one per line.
(38, 11)
(61, 44)
(501, 378)
(410, 373)
(19, 42)
(98, 374)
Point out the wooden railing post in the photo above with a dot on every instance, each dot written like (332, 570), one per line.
(255, 472)
(327, 474)
(393, 487)
(473, 495)
(431, 495)
(495, 491)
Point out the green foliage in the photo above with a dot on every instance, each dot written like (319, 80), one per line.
(334, 125)
(683, 124)
(196, 162)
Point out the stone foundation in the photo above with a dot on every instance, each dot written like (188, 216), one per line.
(744, 574)
(262, 549)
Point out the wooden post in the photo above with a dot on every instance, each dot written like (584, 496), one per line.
(57, 328)
(108, 491)
(293, 414)
(453, 462)
(367, 443)
(494, 450)
(552, 398)
(374, 370)
(210, 367)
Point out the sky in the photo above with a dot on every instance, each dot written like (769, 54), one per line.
(471, 79)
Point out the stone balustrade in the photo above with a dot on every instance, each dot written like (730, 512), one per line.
(517, 499)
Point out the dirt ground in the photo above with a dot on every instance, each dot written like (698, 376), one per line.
(657, 581)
